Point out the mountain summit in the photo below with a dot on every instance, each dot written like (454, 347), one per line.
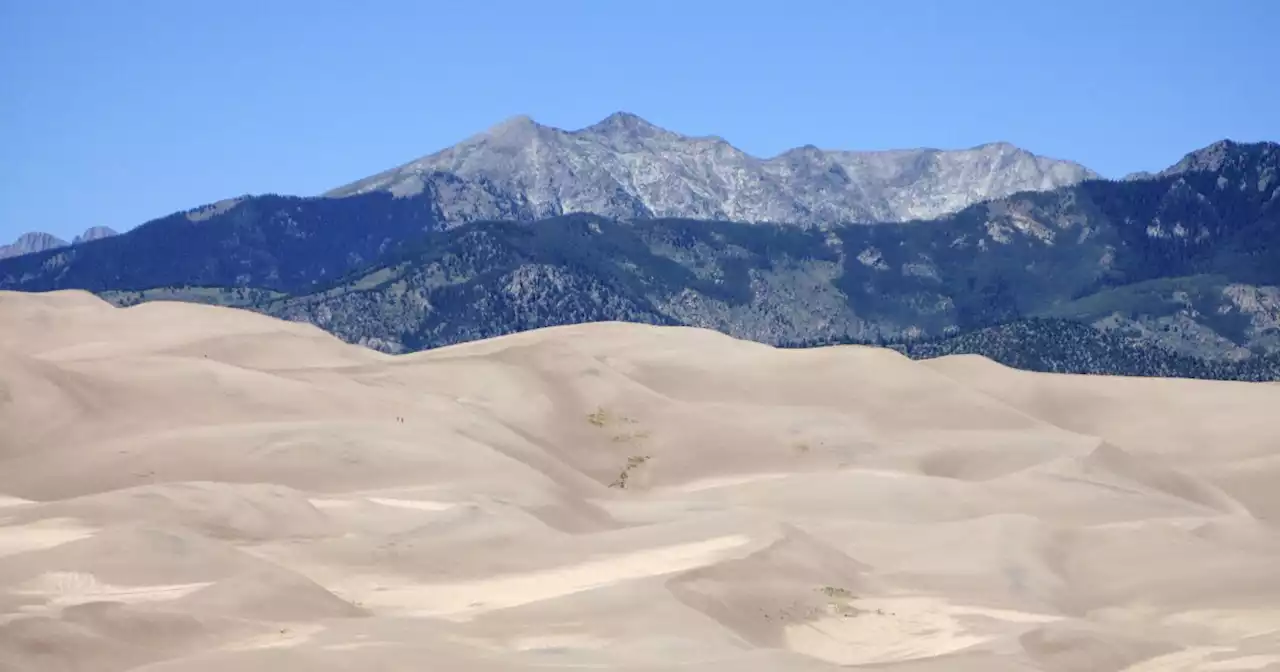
(37, 241)
(1229, 156)
(34, 241)
(94, 233)
(623, 120)
(626, 167)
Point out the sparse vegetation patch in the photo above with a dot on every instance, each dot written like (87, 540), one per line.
(599, 417)
(633, 462)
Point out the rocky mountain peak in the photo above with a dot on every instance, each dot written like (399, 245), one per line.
(513, 131)
(95, 233)
(624, 123)
(624, 167)
(27, 243)
(999, 146)
(803, 152)
(39, 241)
(1207, 158)
(1224, 154)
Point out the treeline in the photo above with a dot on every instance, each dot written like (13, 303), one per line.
(1063, 346)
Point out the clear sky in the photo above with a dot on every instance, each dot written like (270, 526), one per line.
(113, 113)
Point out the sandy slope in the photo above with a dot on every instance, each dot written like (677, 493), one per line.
(193, 488)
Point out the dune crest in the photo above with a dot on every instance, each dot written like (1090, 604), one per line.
(186, 488)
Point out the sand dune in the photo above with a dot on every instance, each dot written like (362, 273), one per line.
(185, 487)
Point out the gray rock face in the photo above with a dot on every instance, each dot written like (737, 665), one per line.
(94, 233)
(1224, 156)
(1211, 158)
(36, 241)
(624, 167)
(28, 243)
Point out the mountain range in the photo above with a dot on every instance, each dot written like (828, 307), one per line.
(37, 241)
(626, 168)
(526, 226)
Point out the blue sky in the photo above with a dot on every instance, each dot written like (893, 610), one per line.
(113, 113)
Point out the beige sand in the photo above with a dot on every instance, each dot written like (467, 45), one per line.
(194, 488)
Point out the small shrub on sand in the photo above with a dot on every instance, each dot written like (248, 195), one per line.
(835, 591)
(598, 418)
(632, 462)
